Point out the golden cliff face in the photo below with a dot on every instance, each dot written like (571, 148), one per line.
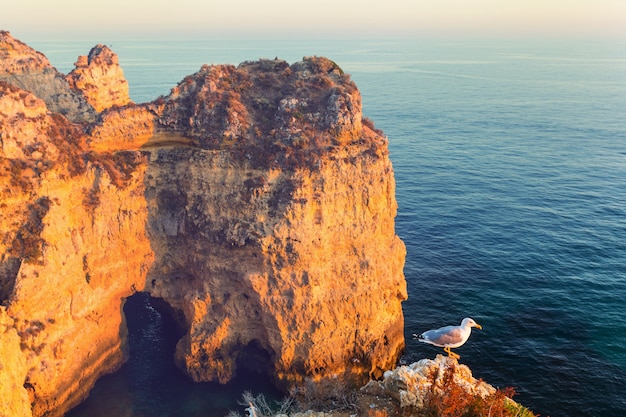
(253, 199)
(300, 269)
(74, 246)
(23, 67)
(100, 78)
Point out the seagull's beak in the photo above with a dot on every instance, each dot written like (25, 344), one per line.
(479, 326)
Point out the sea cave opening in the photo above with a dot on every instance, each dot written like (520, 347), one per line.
(154, 328)
(149, 383)
(253, 358)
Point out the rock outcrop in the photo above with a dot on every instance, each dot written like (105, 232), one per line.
(30, 70)
(100, 78)
(255, 200)
(14, 401)
(411, 385)
(276, 199)
(439, 387)
(74, 246)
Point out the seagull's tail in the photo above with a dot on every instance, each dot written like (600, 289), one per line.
(419, 337)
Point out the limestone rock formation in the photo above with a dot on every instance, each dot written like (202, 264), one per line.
(121, 129)
(255, 200)
(14, 400)
(411, 384)
(73, 248)
(284, 178)
(22, 66)
(100, 78)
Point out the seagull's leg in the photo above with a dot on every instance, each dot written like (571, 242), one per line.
(451, 354)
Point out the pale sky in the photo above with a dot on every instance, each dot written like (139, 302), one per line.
(324, 18)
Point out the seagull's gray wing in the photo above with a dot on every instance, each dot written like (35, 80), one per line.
(448, 335)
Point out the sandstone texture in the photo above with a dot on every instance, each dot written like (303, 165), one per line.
(30, 70)
(411, 384)
(429, 387)
(100, 78)
(255, 200)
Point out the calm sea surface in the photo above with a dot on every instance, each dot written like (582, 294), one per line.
(510, 161)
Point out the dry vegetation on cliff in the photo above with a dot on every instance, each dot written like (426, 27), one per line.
(442, 393)
(271, 113)
(36, 143)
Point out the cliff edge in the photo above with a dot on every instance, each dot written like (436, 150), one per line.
(255, 200)
(30, 70)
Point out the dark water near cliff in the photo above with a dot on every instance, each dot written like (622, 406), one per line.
(150, 385)
(510, 160)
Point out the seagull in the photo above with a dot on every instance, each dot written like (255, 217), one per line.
(450, 336)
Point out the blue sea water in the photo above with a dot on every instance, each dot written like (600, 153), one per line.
(510, 162)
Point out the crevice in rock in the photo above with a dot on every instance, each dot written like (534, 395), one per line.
(254, 358)
(9, 267)
(28, 243)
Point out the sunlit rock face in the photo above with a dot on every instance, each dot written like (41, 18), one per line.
(411, 385)
(255, 200)
(100, 78)
(14, 399)
(22, 66)
(279, 215)
(303, 265)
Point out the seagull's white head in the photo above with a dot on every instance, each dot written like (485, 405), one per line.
(468, 322)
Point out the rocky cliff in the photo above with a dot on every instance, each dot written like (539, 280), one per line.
(255, 200)
(100, 78)
(22, 66)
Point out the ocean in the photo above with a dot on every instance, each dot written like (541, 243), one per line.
(510, 162)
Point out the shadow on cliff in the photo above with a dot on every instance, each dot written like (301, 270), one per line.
(149, 383)
(202, 261)
(228, 190)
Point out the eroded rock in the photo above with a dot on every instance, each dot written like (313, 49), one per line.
(100, 78)
(30, 70)
(252, 199)
(411, 384)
